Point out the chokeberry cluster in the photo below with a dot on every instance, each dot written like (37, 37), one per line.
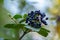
(35, 19)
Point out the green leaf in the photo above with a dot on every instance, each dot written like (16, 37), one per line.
(10, 25)
(22, 20)
(20, 26)
(17, 16)
(14, 26)
(45, 29)
(25, 15)
(44, 32)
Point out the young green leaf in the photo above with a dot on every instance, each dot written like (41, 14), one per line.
(43, 32)
(44, 29)
(25, 15)
(17, 16)
(22, 20)
(14, 26)
(10, 25)
(20, 26)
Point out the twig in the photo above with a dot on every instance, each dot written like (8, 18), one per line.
(25, 32)
(13, 19)
(23, 35)
(16, 30)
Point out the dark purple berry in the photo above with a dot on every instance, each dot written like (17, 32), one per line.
(47, 18)
(34, 20)
(43, 15)
(29, 15)
(27, 20)
(37, 18)
(29, 23)
(44, 22)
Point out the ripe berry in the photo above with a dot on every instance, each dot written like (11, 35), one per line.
(47, 18)
(35, 20)
(27, 20)
(44, 22)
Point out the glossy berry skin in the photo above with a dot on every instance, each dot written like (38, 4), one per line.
(44, 22)
(47, 18)
(35, 19)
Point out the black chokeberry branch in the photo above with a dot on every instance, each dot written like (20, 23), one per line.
(13, 19)
(25, 32)
(22, 35)
(35, 19)
(16, 30)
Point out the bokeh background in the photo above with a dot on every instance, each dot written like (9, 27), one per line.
(50, 7)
